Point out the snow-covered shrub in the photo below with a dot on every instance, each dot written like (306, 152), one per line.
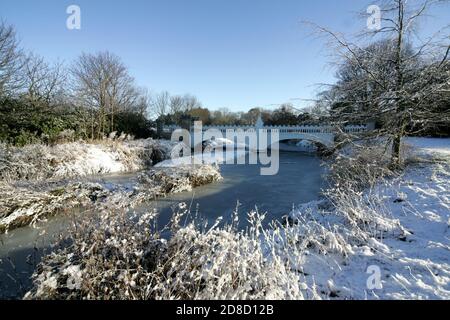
(115, 256)
(354, 175)
(224, 263)
(365, 213)
(164, 181)
(309, 234)
(104, 260)
(361, 166)
(77, 159)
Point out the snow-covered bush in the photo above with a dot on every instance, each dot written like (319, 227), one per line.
(115, 256)
(361, 166)
(365, 213)
(77, 159)
(354, 175)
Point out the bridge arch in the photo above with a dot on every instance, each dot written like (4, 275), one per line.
(324, 139)
(320, 145)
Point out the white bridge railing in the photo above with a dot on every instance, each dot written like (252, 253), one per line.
(322, 134)
(282, 129)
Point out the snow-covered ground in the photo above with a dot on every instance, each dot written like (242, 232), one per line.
(430, 146)
(415, 265)
(79, 159)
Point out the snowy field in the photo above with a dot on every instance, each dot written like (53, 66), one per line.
(433, 146)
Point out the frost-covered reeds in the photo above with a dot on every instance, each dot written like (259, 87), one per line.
(28, 203)
(115, 257)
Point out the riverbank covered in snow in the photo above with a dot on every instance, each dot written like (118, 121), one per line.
(79, 159)
(41, 181)
(29, 203)
(391, 241)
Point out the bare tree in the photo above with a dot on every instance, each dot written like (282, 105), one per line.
(176, 104)
(391, 82)
(191, 102)
(11, 60)
(102, 83)
(161, 104)
(143, 104)
(42, 81)
(121, 92)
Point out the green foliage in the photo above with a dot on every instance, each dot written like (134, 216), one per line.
(24, 138)
(24, 123)
(135, 124)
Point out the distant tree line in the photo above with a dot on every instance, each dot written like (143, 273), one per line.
(285, 114)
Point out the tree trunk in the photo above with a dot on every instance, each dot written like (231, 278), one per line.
(399, 131)
(92, 123)
(112, 119)
(396, 150)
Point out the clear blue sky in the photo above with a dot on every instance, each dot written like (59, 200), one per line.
(230, 53)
